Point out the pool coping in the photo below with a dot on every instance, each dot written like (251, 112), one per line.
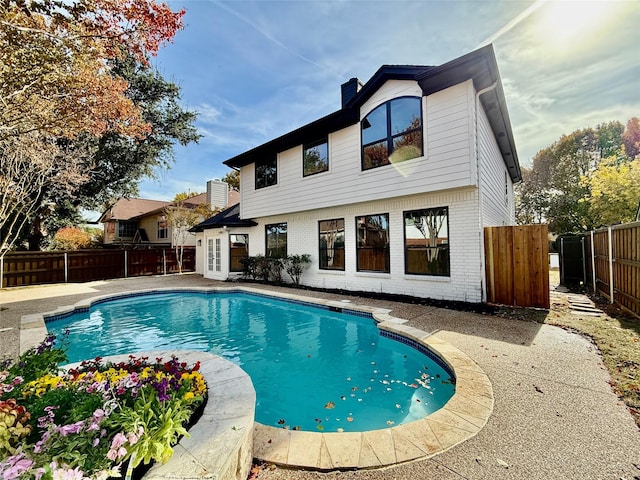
(461, 418)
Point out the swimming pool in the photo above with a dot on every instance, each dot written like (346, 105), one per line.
(315, 369)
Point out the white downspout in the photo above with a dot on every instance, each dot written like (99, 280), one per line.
(481, 218)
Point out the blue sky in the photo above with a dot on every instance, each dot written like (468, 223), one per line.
(255, 70)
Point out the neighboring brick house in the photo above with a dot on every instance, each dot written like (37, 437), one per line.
(137, 221)
(388, 194)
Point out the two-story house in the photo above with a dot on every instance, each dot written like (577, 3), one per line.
(388, 194)
(139, 221)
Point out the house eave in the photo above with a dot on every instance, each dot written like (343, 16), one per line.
(314, 130)
(481, 67)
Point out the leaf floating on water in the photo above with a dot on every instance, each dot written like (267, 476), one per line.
(329, 405)
(320, 427)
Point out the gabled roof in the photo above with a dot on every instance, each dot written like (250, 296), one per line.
(479, 66)
(128, 208)
(226, 218)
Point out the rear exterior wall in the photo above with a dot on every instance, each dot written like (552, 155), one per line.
(463, 284)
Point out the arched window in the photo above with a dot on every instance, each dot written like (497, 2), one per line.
(392, 132)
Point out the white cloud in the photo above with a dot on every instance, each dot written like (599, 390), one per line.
(207, 113)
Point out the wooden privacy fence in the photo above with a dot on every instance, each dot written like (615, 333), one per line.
(613, 264)
(517, 265)
(34, 268)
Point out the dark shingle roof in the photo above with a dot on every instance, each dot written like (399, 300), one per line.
(226, 218)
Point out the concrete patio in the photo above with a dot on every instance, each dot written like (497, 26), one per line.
(555, 416)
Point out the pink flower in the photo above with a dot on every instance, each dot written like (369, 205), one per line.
(13, 466)
(71, 429)
(118, 440)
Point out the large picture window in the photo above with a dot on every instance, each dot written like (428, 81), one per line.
(127, 229)
(266, 173)
(331, 244)
(276, 235)
(373, 243)
(392, 133)
(426, 241)
(315, 158)
(238, 251)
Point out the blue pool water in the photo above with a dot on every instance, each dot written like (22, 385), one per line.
(313, 369)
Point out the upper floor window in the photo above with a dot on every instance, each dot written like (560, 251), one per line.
(331, 244)
(315, 158)
(127, 229)
(266, 173)
(162, 227)
(276, 235)
(392, 132)
(373, 243)
(426, 241)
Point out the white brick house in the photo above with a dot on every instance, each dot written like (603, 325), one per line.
(388, 194)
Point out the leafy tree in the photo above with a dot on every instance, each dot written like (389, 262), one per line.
(71, 238)
(631, 138)
(31, 167)
(57, 54)
(181, 216)
(81, 81)
(554, 190)
(121, 161)
(233, 179)
(614, 191)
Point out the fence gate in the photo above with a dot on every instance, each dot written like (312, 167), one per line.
(572, 259)
(517, 265)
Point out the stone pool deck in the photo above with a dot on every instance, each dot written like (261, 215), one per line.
(554, 417)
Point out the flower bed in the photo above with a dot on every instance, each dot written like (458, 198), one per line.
(93, 420)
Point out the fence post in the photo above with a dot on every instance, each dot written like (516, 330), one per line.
(611, 300)
(593, 262)
(164, 261)
(126, 263)
(66, 268)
